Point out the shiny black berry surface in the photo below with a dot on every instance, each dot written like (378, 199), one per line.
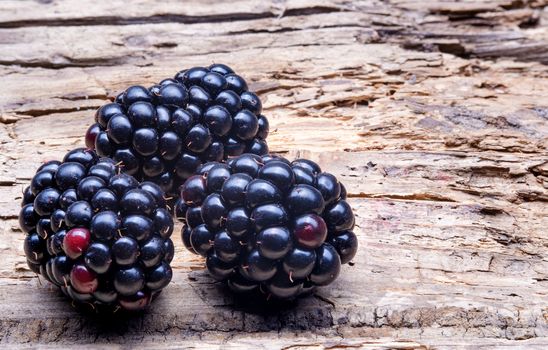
(164, 133)
(268, 225)
(99, 235)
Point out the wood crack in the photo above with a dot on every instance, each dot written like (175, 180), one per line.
(166, 18)
(411, 197)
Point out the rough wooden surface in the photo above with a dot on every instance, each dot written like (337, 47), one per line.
(434, 114)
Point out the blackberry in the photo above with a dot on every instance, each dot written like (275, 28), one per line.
(101, 236)
(165, 132)
(264, 223)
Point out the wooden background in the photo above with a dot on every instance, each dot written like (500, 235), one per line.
(433, 113)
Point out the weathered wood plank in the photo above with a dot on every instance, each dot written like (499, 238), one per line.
(426, 266)
(480, 29)
(428, 112)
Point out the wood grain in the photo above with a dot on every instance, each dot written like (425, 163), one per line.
(435, 116)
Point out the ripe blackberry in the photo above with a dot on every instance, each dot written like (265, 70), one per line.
(264, 223)
(164, 133)
(100, 236)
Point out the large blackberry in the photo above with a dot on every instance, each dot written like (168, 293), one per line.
(165, 132)
(100, 236)
(265, 223)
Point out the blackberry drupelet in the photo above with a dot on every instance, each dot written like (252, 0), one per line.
(164, 133)
(264, 223)
(100, 236)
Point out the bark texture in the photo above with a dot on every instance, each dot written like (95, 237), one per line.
(434, 115)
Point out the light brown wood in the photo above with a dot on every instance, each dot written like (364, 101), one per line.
(434, 115)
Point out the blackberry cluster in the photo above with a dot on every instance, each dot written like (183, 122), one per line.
(102, 237)
(164, 133)
(265, 223)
